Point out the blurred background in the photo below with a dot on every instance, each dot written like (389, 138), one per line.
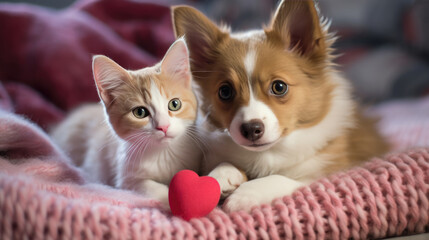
(383, 45)
(46, 45)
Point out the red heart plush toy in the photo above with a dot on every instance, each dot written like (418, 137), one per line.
(192, 196)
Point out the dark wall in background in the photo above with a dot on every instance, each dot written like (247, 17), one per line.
(48, 3)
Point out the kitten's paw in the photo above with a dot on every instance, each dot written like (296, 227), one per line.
(161, 196)
(156, 191)
(164, 205)
(228, 177)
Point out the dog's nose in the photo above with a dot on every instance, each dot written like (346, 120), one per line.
(252, 130)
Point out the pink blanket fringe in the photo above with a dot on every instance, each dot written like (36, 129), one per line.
(383, 198)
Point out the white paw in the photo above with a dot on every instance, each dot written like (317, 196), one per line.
(162, 196)
(259, 191)
(228, 177)
(156, 191)
(243, 199)
(164, 204)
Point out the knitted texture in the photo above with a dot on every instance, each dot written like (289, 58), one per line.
(383, 198)
(43, 197)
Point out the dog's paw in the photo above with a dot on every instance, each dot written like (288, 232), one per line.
(243, 198)
(228, 177)
(260, 191)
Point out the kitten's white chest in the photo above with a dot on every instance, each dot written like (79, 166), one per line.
(159, 164)
(159, 167)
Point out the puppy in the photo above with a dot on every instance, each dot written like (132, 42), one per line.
(274, 104)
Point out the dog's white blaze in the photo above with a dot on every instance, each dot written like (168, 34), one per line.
(255, 109)
(248, 35)
(249, 62)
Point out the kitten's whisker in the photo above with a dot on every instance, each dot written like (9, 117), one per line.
(198, 133)
(129, 153)
(197, 143)
(132, 161)
(200, 144)
(199, 140)
(142, 150)
(136, 140)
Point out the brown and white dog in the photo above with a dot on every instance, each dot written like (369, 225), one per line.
(274, 105)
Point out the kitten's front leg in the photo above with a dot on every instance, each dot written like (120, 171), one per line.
(260, 191)
(155, 190)
(229, 178)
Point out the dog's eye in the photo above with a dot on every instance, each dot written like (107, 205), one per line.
(140, 112)
(225, 92)
(175, 104)
(279, 88)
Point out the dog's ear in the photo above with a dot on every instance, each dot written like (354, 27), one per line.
(296, 23)
(201, 34)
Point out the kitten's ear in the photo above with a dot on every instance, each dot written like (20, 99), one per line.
(297, 25)
(201, 34)
(108, 75)
(176, 63)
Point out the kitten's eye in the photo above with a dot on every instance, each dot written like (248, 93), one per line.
(279, 88)
(174, 104)
(140, 112)
(225, 92)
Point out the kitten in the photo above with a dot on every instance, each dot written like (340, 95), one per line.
(142, 132)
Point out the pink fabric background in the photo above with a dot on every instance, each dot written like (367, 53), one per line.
(46, 55)
(45, 70)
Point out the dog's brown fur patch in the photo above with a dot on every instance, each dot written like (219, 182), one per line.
(296, 49)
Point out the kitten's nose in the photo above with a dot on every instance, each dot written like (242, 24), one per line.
(163, 128)
(252, 130)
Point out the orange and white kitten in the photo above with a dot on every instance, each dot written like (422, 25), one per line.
(275, 104)
(142, 132)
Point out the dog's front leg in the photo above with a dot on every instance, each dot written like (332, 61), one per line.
(229, 178)
(260, 191)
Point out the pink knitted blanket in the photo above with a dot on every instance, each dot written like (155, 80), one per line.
(43, 197)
